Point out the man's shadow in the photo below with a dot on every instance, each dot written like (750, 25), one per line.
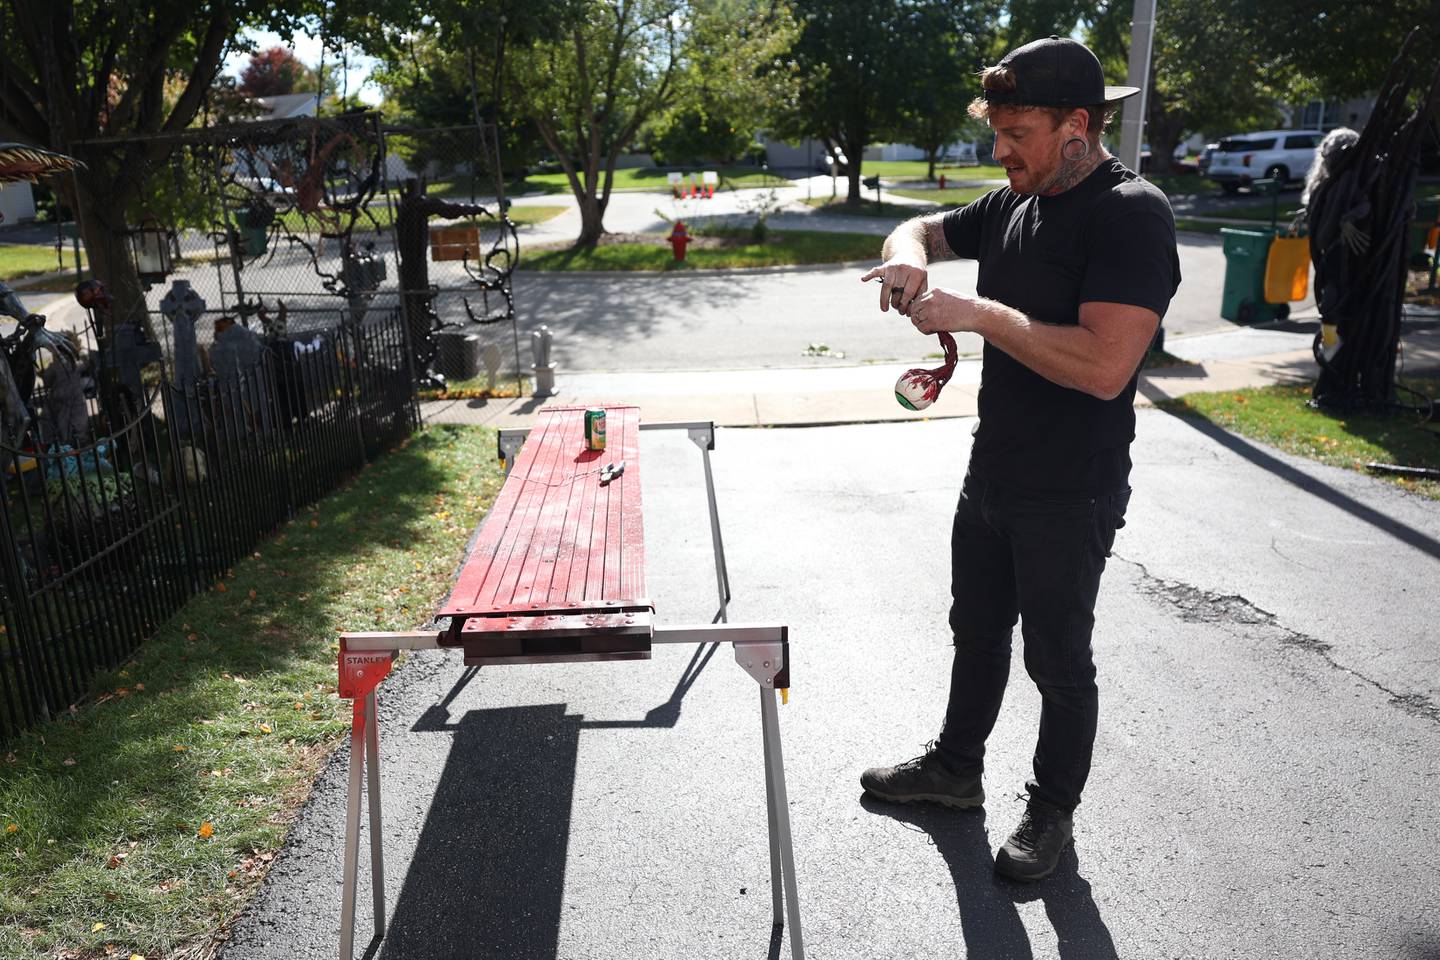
(989, 919)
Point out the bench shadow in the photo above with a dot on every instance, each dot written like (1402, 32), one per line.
(989, 919)
(488, 873)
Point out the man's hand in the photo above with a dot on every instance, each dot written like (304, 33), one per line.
(901, 281)
(942, 309)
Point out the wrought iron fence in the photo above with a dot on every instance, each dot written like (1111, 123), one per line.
(103, 537)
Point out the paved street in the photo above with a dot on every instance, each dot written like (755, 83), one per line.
(1265, 775)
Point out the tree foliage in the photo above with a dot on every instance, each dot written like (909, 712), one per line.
(948, 43)
(863, 62)
(1225, 65)
(75, 74)
(735, 74)
(272, 72)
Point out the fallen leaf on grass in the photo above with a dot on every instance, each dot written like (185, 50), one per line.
(116, 861)
(252, 594)
(13, 828)
(221, 587)
(69, 761)
(206, 831)
(96, 927)
(179, 748)
(265, 728)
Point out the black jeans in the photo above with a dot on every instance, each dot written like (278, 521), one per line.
(1038, 560)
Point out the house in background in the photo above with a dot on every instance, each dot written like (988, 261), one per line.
(286, 105)
(17, 203)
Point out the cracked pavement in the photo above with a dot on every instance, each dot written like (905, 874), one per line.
(1265, 775)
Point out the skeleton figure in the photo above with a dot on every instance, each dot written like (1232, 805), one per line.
(17, 374)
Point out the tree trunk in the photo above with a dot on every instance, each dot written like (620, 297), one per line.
(854, 152)
(930, 155)
(100, 212)
(592, 220)
(1164, 137)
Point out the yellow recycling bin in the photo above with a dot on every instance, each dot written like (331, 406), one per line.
(1287, 270)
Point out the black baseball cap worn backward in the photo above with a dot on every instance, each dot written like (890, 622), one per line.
(1056, 72)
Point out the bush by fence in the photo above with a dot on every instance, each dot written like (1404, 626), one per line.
(101, 542)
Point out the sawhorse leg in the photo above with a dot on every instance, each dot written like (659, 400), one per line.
(782, 852)
(364, 749)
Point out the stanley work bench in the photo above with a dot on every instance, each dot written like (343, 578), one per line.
(557, 575)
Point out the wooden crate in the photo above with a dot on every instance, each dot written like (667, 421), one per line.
(454, 243)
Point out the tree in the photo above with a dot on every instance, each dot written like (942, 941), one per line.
(89, 78)
(948, 44)
(1209, 70)
(734, 77)
(849, 54)
(272, 72)
(866, 65)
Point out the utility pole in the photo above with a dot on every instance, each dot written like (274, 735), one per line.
(1132, 123)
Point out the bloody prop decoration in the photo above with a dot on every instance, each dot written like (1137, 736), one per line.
(918, 388)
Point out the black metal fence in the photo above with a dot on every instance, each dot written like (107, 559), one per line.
(102, 541)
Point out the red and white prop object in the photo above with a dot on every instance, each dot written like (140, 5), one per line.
(918, 388)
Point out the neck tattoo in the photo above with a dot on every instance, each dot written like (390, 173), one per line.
(1071, 172)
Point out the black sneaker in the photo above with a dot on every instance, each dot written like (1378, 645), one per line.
(1034, 849)
(924, 778)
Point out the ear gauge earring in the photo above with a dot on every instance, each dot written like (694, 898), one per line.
(1069, 154)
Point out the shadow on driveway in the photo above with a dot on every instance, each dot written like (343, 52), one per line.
(988, 916)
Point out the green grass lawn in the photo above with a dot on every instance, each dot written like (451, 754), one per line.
(867, 208)
(141, 821)
(782, 249)
(915, 170)
(655, 179)
(1281, 417)
(32, 259)
(949, 197)
(381, 217)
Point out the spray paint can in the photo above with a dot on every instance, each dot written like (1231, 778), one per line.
(595, 428)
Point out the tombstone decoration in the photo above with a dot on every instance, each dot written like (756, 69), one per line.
(361, 273)
(182, 306)
(66, 416)
(236, 356)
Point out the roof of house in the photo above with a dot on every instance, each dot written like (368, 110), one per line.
(288, 105)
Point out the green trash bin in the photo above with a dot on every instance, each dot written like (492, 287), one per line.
(1243, 300)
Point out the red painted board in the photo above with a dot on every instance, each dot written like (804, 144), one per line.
(555, 536)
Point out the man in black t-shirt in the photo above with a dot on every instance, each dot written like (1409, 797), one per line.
(1077, 267)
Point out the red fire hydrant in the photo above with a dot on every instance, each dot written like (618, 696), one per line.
(942, 181)
(679, 238)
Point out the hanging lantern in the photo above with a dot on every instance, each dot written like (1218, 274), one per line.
(154, 250)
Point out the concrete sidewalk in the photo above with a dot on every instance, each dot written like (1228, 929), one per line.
(865, 394)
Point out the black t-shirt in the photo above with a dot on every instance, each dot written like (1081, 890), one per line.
(1109, 238)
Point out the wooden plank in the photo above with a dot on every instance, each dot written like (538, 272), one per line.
(610, 580)
(556, 538)
(632, 529)
(582, 530)
(533, 581)
(494, 528)
(551, 468)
